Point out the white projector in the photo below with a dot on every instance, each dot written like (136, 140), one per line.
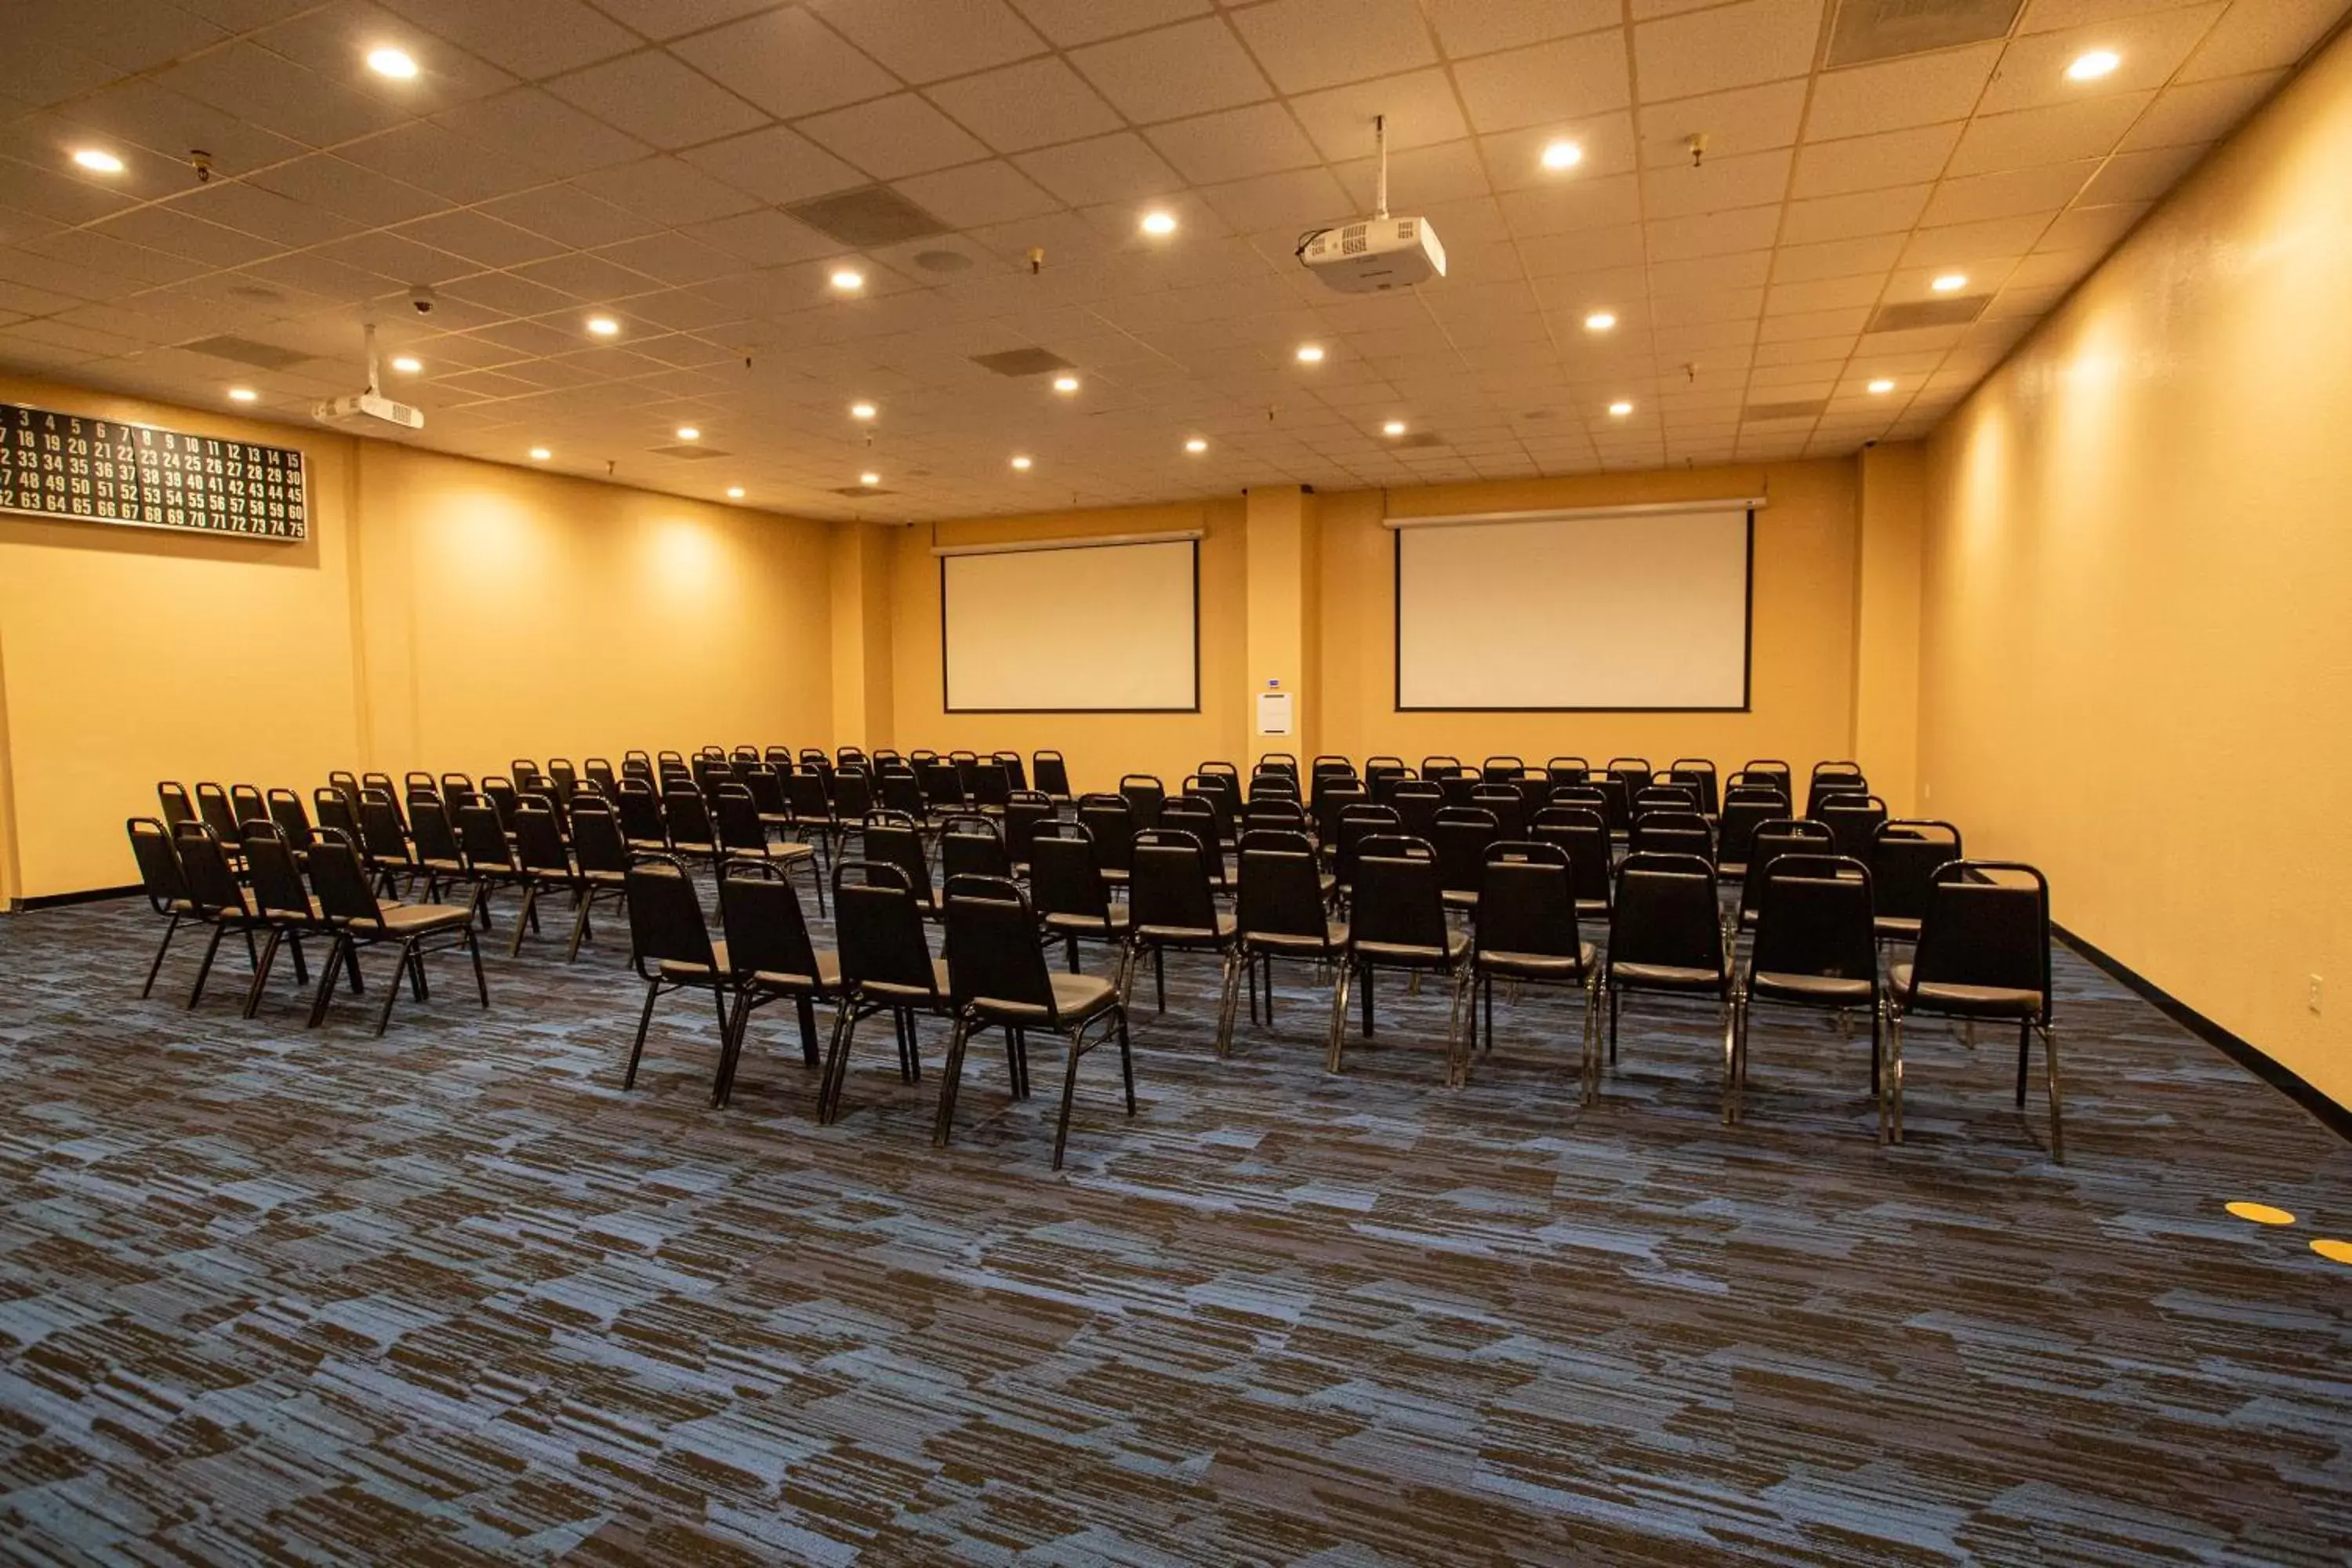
(1375, 255)
(361, 407)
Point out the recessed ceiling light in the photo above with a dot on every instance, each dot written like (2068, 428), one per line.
(1394, 428)
(1882, 386)
(242, 395)
(1066, 384)
(1599, 321)
(2093, 65)
(540, 453)
(1159, 222)
(604, 326)
(1621, 408)
(1951, 282)
(861, 411)
(392, 63)
(848, 277)
(97, 161)
(1021, 463)
(1196, 445)
(869, 478)
(688, 433)
(1311, 354)
(734, 493)
(1562, 155)
(408, 364)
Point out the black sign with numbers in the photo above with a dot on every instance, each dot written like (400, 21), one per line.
(101, 471)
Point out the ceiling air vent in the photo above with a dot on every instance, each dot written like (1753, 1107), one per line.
(684, 450)
(1809, 409)
(863, 490)
(1870, 30)
(248, 351)
(1908, 315)
(866, 218)
(1023, 361)
(1419, 438)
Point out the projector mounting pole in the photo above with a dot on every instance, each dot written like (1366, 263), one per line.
(370, 330)
(1380, 140)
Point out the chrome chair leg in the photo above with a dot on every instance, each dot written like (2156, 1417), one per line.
(2057, 1111)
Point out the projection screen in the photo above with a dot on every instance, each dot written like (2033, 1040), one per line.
(1078, 628)
(1644, 609)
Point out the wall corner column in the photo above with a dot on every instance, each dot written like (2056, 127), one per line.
(1279, 528)
(860, 555)
(1891, 504)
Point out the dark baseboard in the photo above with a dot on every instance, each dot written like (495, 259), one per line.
(58, 900)
(2336, 1118)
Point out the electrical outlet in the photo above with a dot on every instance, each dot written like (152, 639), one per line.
(2315, 985)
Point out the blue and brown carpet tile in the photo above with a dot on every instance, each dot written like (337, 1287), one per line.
(278, 1296)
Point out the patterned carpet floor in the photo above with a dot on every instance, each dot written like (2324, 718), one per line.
(270, 1295)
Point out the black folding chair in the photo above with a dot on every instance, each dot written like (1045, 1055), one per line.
(1814, 948)
(1527, 934)
(1397, 921)
(347, 898)
(886, 967)
(670, 947)
(768, 950)
(1665, 938)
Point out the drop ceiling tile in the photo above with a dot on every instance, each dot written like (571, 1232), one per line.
(1582, 251)
(424, 155)
(1726, 47)
(126, 34)
(371, 199)
(1173, 71)
(57, 197)
(2141, 177)
(2199, 111)
(2008, 194)
(1892, 95)
(1565, 81)
(1836, 258)
(267, 215)
(1235, 144)
(1033, 104)
(1309, 44)
(2052, 134)
(658, 101)
(1967, 245)
(2260, 35)
(1744, 269)
(584, 275)
(763, 237)
(565, 213)
(541, 133)
(2092, 228)
(978, 194)
(180, 233)
(672, 258)
(890, 138)
(1481, 27)
(1822, 294)
(2033, 70)
(1851, 218)
(531, 39)
(1297, 198)
(1744, 120)
(776, 164)
(1873, 162)
(660, 19)
(924, 40)
(1072, 22)
(787, 62)
(1420, 108)
(2052, 269)
(247, 81)
(1718, 186)
(666, 192)
(142, 112)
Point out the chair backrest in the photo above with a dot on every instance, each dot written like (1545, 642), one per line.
(539, 836)
(345, 895)
(1216, 792)
(599, 769)
(1831, 780)
(1987, 923)
(1743, 812)
(991, 784)
(1281, 891)
(215, 811)
(1016, 772)
(1634, 773)
(739, 826)
(1332, 797)
(641, 813)
(1582, 834)
(1281, 812)
(1143, 793)
(286, 814)
(971, 845)
(1064, 876)
(1053, 774)
(1905, 855)
(665, 924)
(1023, 813)
(248, 805)
(1770, 770)
(382, 830)
(1696, 774)
(1616, 800)
(805, 799)
(1381, 775)
(1397, 901)
(1196, 815)
(1527, 901)
(1816, 919)
(994, 959)
(336, 810)
(435, 834)
(1417, 804)
(1854, 820)
(1112, 822)
(1571, 772)
(160, 876)
(688, 816)
(482, 833)
(767, 789)
(212, 885)
(1507, 803)
(1169, 889)
(1674, 833)
(596, 836)
(852, 792)
(1666, 913)
(277, 880)
(766, 931)
(1272, 784)
(1358, 823)
(1666, 797)
(1771, 840)
(1460, 836)
(503, 794)
(942, 785)
(172, 799)
(902, 792)
(892, 837)
(879, 927)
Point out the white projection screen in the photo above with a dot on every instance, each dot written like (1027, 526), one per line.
(1093, 629)
(1635, 610)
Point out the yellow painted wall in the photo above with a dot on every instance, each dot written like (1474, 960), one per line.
(443, 613)
(1886, 622)
(2137, 602)
(1099, 746)
(1801, 684)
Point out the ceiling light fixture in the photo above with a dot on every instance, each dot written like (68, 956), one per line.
(408, 364)
(1562, 155)
(1394, 428)
(2093, 65)
(1599, 321)
(869, 478)
(861, 411)
(1620, 408)
(242, 395)
(1951, 283)
(1311, 354)
(848, 278)
(394, 63)
(540, 453)
(1066, 384)
(1881, 387)
(97, 161)
(688, 433)
(604, 326)
(734, 493)
(1021, 463)
(1196, 445)
(1159, 222)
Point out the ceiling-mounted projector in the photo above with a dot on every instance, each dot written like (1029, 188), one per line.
(1379, 253)
(360, 407)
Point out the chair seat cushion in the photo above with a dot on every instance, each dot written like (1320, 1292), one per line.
(1539, 965)
(1194, 936)
(1460, 899)
(420, 919)
(826, 978)
(1406, 956)
(1334, 937)
(1087, 925)
(1076, 997)
(1667, 977)
(1961, 1001)
(1898, 928)
(674, 969)
(1819, 989)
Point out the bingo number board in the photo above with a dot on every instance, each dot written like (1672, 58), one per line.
(102, 470)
